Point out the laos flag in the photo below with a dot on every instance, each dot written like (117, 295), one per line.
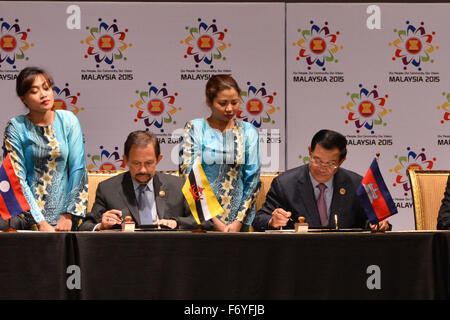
(374, 195)
(12, 199)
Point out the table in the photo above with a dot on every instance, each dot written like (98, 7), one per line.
(33, 265)
(213, 265)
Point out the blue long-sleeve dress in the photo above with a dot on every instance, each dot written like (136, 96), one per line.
(231, 163)
(50, 164)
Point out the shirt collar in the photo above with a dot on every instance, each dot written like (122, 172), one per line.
(314, 182)
(149, 184)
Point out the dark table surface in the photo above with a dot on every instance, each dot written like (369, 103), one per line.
(231, 266)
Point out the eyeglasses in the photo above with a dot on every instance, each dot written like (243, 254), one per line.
(317, 162)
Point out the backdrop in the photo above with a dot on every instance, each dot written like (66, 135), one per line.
(378, 74)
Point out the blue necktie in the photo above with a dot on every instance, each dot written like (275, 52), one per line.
(145, 208)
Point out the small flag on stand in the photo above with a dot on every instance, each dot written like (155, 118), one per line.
(199, 195)
(374, 195)
(12, 199)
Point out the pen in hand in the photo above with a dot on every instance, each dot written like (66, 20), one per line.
(281, 228)
(125, 213)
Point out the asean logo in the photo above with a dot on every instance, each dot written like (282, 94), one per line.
(13, 43)
(411, 160)
(65, 100)
(106, 160)
(205, 43)
(317, 45)
(445, 107)
(413, 46)
(366, 109)
(106, 43)
(258, 106)
(155, 106)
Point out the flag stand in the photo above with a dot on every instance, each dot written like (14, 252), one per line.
(377, 230)
(199, 229)
(10, 229)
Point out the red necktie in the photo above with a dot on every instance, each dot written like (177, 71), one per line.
(321, 205)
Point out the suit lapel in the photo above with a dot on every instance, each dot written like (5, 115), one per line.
(158, 187)
(129, 197)
(306, 192)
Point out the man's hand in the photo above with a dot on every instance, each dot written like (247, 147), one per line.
(381, 226)
(172, 224)
(280, 218)
(109, 219)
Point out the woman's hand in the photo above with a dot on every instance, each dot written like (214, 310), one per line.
(45, 227)
(235, 226)
(64, 222)
(218, 225)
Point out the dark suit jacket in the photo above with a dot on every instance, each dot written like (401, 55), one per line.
(443, 220)
(118, 193)
(293, 191)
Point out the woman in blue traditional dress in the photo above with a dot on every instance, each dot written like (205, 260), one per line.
(46, 148)
(229, 151)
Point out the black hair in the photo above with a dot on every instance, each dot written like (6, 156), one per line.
(141, 138)
(329, 139)
(219, 83)
(26, 78)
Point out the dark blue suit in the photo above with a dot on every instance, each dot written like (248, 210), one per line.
(293, 191)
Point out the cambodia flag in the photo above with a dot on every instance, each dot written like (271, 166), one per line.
(12, 199)
(374, 195)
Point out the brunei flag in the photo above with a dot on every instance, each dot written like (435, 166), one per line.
(12, 200)
(199, 195)
(374, 195)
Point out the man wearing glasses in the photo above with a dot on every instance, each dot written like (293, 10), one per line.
(321, 191)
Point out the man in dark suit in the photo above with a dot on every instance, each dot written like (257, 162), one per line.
(149, 197)
(318, 191)
(443, 220)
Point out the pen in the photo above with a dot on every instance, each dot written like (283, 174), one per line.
(281, 228)
(125, 212)
(157, 222)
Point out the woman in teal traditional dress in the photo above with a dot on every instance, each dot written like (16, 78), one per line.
(46, 148)
(229, 151)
